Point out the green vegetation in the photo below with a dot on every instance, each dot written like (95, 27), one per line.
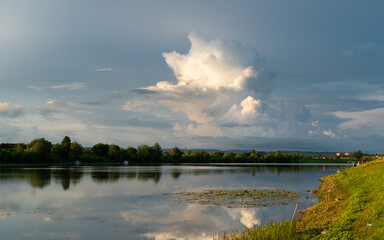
(41, 151)
(351, 207)
(273, 231)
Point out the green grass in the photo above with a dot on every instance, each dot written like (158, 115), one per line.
(284, 230)
(351, 207)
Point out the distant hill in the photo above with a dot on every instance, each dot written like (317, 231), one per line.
(305, 153)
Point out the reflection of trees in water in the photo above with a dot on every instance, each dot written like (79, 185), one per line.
(113, 175)
(175, 173)
(145, 176)
(105, 176)
(67, 176)
(131, 175)
(40, 178)
(254, 169)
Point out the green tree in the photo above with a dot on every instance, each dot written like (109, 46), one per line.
(20, 147)
(241, 157)
(130, 154)
(157, 152)
(200, 156)
(76, 148)
(100, 149)
(65, 146)
(255, 155)
(358, 155)
(218, 154)
(145, 153)
(131, 151)
(40, 146)
(176, 153)
(229, 155)
(114, 152)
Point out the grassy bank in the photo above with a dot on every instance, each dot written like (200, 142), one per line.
(351, 207)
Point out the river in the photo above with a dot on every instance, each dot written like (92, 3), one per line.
(137, 202)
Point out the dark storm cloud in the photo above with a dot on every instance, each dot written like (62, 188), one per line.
(318, 58)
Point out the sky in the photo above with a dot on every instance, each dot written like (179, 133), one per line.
(266, 75)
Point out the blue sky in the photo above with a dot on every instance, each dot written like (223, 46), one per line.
(268, 75)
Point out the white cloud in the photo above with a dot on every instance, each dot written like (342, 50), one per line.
(245, 113)
(329, 133)
(36, 88)
(4, 107)
(204, 129)
(10, 111)
(249, 106)
(208, 65)
(137, 105)
(217, 83)
(103, 69)
(368, 118)
(172, 225)
(248, 217)
(70, 86)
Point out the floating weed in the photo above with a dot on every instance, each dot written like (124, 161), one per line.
(245, 198)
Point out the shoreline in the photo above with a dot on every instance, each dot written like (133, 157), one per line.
(70, 164)
(351, 206)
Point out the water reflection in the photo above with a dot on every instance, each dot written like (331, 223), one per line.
(67, 177)
(175, 173)
(105, 176)
(133, 201)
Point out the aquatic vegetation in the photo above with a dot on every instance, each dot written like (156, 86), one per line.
(244, 198)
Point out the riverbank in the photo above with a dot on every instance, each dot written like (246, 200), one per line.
(351, 207)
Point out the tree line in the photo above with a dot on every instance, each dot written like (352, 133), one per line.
(42, 151)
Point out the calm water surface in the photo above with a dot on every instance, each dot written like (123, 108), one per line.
(135, 202)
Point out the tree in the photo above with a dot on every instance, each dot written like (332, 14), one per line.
(40, 146)
(176, 153)
(131, 151)
(358, 155)
(76, 148)
(114, 151)
(65, 146)
(229, 155)
(200, 156)
(254, 155)
(157, 152)
(20, 147)
(218, 154)
(144, 153)
(101, 149)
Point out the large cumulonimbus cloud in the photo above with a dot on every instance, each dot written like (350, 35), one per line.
(219, 86)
